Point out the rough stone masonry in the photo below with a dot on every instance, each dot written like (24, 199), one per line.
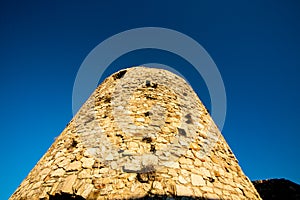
(142, 133)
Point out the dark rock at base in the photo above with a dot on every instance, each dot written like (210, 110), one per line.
(277, 189)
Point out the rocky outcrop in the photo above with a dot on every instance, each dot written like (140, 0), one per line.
(277, 189)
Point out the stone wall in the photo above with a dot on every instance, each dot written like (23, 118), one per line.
(143, 132)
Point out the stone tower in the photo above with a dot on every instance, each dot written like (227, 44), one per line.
(142, 133)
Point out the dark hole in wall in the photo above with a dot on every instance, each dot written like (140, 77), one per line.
(147, 176)
(147, 114)
(227, 170)
(150, 97)
(181, 131)
(73, 144)
(189, 119)
(152, 148)
(107, 100)
(148, 83)
(143, 177)
(154, 85)
(65, 196)
(147, 139)
(211, 179)
(120, 74)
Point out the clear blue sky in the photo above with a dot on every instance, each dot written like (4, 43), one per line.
(255, 44)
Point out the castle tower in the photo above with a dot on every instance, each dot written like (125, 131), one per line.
(142, 133)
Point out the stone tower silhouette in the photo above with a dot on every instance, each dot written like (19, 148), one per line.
(143, 133)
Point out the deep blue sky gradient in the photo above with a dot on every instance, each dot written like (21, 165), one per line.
(255, 44)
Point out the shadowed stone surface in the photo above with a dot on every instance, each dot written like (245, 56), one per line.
(142, 134)
(277, 189)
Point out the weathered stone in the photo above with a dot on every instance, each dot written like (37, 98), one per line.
(229, 188)
(162, 140)
(104, 170)
(44, 173)
(120, 184)
(218, 185)
(172, 172)
(207, 189)
(157, 185)
(185, 161)
(204, 172)
(132, 167)
(197, 180)
(87, 162)
(189, 154)
(182, 180)
(68, 184)
(211, 196)
(194, 146)
(149, 160)
(84, 174)
(74, 166)
(114, 165)
(45, 193)
(197, 162)
(183, 191)
(218, 191)
(133, 145)
(59, 172)
(197, 192)
(36, 185)
(132, 177)
(235, 197)
(140, 119)
(215, 159)
(85, 190)
(54, 188)
(109, 157)
(171, 164)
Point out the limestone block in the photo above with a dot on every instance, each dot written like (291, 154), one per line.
(68, 184)
(74, 166)
(87, 162)
(197, 180)
(183, 190)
